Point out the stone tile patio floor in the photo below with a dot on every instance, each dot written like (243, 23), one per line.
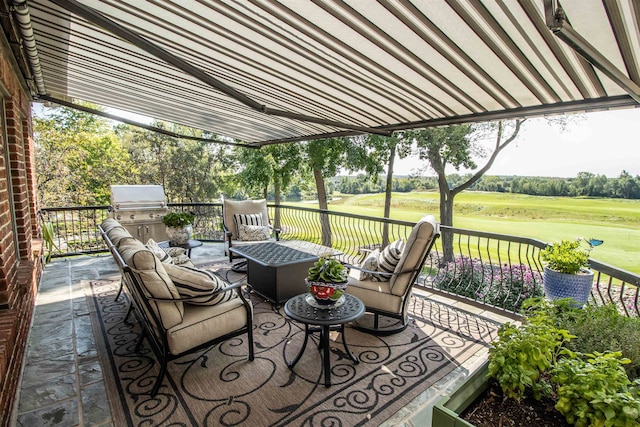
(62, 383)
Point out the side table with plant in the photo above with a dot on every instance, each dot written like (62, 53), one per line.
(566, 273)
(327, 281)
(179, 227)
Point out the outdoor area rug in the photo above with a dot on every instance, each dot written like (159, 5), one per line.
(219, 386)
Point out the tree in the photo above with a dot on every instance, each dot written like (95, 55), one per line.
(326, 157)
(456, 146)
(188, 170)
(78, 157)
(384, 152)
(275, 164)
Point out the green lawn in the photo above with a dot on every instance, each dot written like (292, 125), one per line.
(549, 219)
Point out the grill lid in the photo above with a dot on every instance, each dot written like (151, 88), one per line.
(137, 197)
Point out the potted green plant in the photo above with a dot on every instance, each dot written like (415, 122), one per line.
(327, 281)
(179, 227)
(48, 235)
(565, 273)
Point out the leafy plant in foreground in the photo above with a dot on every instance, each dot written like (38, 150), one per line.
(523, 353)
(594, 390)
(48, 235)
(602, 329)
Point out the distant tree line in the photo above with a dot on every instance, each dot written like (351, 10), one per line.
(586, 184)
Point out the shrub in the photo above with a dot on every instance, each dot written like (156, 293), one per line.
(503, 286)
(511, 285)
(464, 276)
(601, 329)
(522, 354)
(591, 389)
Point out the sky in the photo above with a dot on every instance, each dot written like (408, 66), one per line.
(603, 143)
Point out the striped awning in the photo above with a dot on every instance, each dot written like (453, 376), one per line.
(264, 71)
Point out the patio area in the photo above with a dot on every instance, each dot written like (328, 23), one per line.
(62, 382)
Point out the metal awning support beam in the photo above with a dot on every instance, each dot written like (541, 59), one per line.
(140, 125)
(96, 18)
(556, 21)
(603, 104)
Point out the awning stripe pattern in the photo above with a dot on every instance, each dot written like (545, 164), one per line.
(303, 69)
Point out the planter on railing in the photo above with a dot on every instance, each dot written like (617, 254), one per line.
(446, 412)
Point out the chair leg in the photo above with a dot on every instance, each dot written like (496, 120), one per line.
(381, 324)
(119, 291)
(250, 340)
(163, 370)
(129, 311)
(139, 343)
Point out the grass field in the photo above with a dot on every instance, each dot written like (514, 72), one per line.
(549, 219)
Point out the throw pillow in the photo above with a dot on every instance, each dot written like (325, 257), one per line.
(201, 284)
(369, 263)
(389, 258)
(246, 219)
(253, 232)
(164, 257)
(175, 251)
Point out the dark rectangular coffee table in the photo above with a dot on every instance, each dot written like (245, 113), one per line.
(276, 270)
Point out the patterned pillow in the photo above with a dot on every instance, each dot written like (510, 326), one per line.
(251, 233)
(175, 251)
(164, 257)
(193, 282)
(389, 258)
(369, 263)
(246, 219)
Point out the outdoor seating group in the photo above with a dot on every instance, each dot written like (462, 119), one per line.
(184, 309)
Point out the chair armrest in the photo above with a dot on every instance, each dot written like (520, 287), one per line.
(381, 273)
(235, 285)
(372, 272)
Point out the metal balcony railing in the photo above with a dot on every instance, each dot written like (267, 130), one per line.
(485, 269)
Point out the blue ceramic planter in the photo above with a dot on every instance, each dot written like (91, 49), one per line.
(561, 285)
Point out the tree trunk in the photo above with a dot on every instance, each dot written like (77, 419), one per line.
(323, 205)
(446, 218)
(276, 198)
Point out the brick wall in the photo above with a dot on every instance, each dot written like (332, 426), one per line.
(20, 260)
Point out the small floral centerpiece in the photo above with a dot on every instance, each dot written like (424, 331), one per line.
(565, 273)
(327, 281)
(179, 227)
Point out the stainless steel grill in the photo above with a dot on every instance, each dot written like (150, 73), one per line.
(140, 208)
